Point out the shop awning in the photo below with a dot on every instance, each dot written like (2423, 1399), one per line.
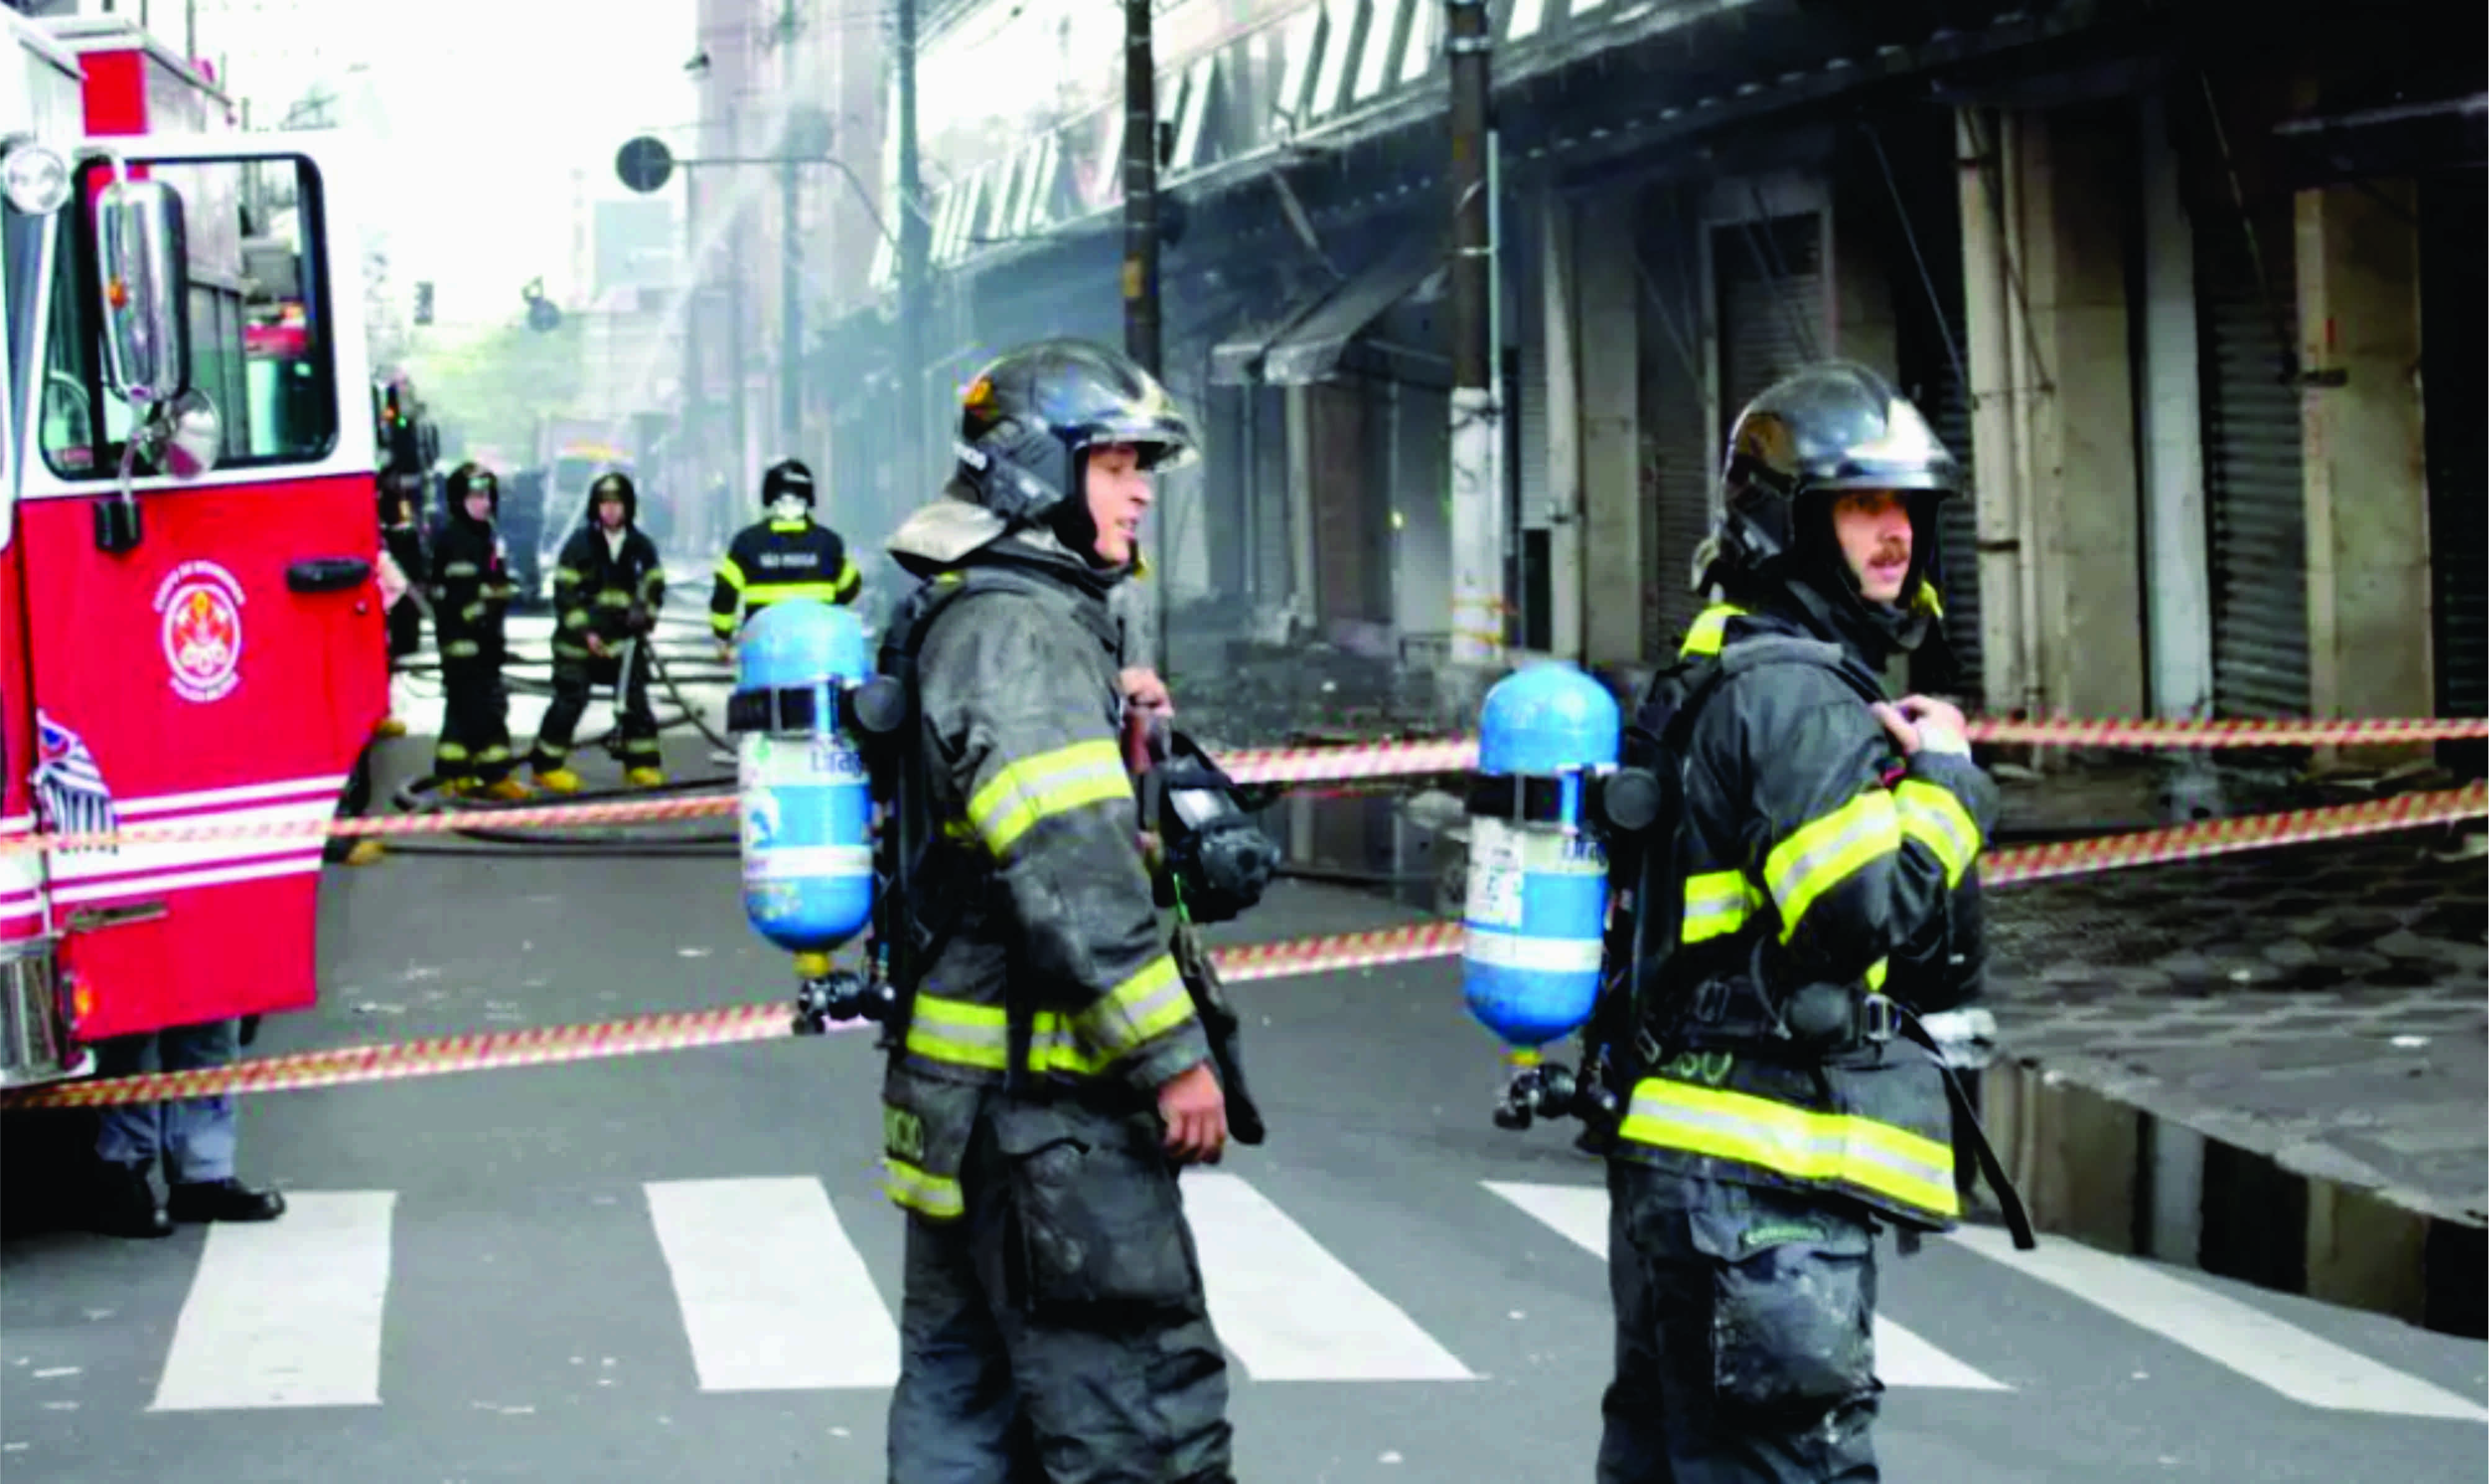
(1304, 343)
(1308, 351)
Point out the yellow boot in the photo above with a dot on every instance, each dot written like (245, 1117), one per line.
(644, 778)
(390, 726)
(366, 851)
(557, 781)
(455, 787)
(507, 791)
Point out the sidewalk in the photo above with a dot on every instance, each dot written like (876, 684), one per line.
(2283, 1053)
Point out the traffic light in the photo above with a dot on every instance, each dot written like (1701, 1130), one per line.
(423, 303)
(544, 317)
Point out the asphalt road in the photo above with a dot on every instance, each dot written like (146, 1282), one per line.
(679, 1268)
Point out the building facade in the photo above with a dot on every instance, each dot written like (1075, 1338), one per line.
(2201, 320)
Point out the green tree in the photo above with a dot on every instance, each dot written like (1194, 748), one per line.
(489, 390)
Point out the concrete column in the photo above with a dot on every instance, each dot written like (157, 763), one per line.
(1562, 359)
(2171, 407)
(2054, 385)
(1615, 550)
(2368, 591)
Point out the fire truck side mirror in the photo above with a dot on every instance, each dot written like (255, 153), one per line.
(144, 260)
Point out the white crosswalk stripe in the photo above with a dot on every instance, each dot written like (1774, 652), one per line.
(2256, 1345)
(287, 1314)
(1579, 1214)
(1289, 1310)
(772, 1293)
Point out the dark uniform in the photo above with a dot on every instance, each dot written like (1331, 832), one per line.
(785, 556)
(471, 594)
(608, 583)
(1054, 1325)
(1819, 869)
(403, 539)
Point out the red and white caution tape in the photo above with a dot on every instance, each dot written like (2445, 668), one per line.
(432, 1056)
(1414, 943)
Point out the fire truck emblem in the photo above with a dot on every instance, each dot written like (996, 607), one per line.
(200, 603)
(68, 784)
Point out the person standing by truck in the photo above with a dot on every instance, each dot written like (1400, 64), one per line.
(606, 588)
(470, 591)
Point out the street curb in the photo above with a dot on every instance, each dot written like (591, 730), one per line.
(2115, 1159)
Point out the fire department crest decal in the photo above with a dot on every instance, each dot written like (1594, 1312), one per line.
(200, 607)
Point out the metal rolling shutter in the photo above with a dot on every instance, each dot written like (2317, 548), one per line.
(1771, 305)
(1679, 457)
(2254, 491)
(2454, 303)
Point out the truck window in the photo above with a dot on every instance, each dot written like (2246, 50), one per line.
(260, 324)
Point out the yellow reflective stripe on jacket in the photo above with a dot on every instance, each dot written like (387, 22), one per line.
(721, 624)
(1828, 850)
(1717, 904)
(1141, 1008)
(1933, 817)
(849, 580)
(961, 1034)
(761, 594)
(1051, 782)
(936, 1195)
(563, 576)
(731, 574)
(1817, 1148)
(1710, 630)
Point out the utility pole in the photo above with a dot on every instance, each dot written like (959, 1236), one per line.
(736, 383)
(1141, 334)
(1478, 488)
(790, 275)
(695, 370)
(915, 252)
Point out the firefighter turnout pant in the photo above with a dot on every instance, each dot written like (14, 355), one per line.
(474, 744)
(575, 676)
(1057, 1331)
(1744, 1349)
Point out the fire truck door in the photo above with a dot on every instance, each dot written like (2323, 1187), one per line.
(226, 671)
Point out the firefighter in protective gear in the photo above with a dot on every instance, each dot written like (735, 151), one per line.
(1774, 1121)
(606, 587)
(1049, 1072)
(471, 594)
(785, 556)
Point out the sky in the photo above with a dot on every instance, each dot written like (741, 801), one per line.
(483, 109)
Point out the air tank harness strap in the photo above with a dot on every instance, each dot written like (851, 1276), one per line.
(794, 708)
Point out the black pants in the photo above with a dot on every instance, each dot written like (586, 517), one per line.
(1745, 1352)
(573, 680)
(475, 721)
(1057, 1333)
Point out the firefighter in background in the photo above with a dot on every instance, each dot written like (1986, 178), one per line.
(471, 594)
(1824, 856)
(402, 545)
(607, 586)
(1085, 1351)
(785, 555)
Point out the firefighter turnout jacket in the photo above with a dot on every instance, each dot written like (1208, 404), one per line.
(470, 590)
(605, 584)
(773, 559)
(1811, 854)
(1021, 722)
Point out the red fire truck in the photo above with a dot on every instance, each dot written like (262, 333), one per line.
(190, 630)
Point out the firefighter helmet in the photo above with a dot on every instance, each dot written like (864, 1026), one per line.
(1030, 417)
(787, 478)
(1831, 428)
(613, 484)
(471, 479)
